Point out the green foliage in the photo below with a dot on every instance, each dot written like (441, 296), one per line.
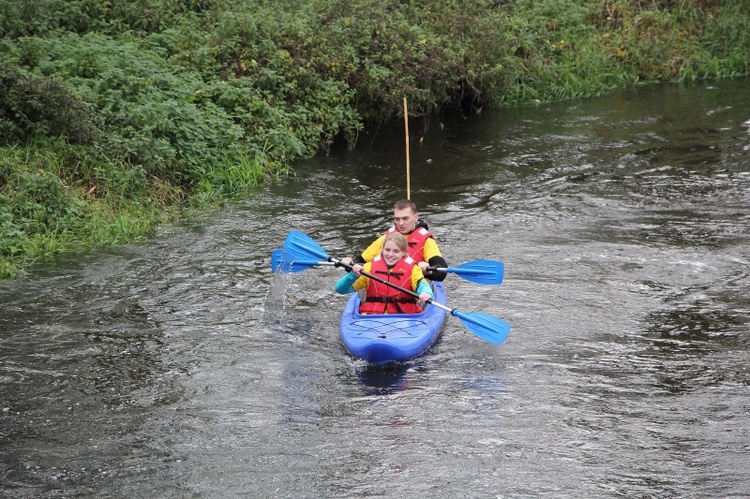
(44, 210)
(676, 40)
(114, 113)
(147, 107)
(35, 207)
(20, 18)
(35, 107)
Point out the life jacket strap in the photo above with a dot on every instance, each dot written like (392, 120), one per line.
(388, 299)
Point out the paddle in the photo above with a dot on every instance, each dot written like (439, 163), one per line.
(478, 271)
(301, 252)
(277, 258)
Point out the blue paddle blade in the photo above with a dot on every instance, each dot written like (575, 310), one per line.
(485, 326)
(300, 253)
(290, 265)
(276, 256)
(480, 271)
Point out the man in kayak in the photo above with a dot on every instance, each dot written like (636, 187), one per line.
(395, 266)
(422, 246)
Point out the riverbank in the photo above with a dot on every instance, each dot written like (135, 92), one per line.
(115, 119)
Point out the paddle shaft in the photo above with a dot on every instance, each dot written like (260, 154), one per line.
(325, 263)
(478, 271)
(387, 283)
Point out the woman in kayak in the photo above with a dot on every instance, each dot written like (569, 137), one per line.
(395, 266)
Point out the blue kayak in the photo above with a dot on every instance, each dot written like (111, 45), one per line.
(382, 339)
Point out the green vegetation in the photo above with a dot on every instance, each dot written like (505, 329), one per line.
(117, 116)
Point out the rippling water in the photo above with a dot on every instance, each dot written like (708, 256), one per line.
(185, 368)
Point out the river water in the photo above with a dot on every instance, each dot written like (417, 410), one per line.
(185, 368)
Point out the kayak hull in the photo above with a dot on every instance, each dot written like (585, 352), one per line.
(384, 339)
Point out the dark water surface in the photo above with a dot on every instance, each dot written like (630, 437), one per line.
(185, 368)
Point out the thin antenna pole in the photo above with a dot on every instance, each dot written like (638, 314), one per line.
(406, 129)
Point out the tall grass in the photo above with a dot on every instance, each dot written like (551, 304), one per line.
(44, 210)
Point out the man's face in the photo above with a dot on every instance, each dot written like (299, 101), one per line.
(405, 220)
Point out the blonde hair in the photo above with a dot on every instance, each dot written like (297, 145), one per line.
(399, 239)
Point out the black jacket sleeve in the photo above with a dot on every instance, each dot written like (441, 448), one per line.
(437, 275)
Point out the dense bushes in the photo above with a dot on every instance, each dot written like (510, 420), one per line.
(114, 113)
(40, 107)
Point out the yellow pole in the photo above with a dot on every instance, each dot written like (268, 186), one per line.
(406, 129)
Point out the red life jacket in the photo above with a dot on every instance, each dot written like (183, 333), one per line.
(415, 240)
(383, 299)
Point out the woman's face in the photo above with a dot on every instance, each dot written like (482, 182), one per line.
(392, 253)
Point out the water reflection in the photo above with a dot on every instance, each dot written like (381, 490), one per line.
(385, 380)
